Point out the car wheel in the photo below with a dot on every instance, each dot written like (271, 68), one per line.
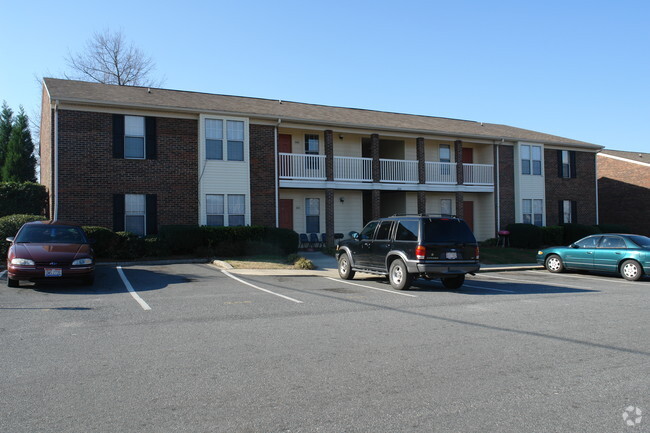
(631, 270)
(453, 283)
(554, 263)
(13, 283)
(398, 275)
(345, 267)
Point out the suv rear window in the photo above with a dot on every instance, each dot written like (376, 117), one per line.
(447, 230)
(407, 231)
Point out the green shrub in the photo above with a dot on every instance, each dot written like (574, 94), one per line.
(553, 235)
(574, 232)
(613, 228)
(22, 198)
(105, 240)
(525, 235)
(154, 247)
(129, 246)
(9, 226)
(182, 239)
(492, 242)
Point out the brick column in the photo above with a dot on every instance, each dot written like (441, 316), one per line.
(376, 204)
(459, 205)
(458, 151)
(329, 216)
(376, 166)
(419, 148)
(422, 202)
(329, 154)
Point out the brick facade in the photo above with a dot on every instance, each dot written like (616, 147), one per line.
(581, 189)
(262, 169)
(624, 194)
(506, 179)
(89, 175)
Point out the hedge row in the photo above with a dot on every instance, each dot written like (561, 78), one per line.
(22, 198)
(531, 236)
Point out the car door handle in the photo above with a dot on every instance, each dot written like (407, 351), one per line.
(589, 252)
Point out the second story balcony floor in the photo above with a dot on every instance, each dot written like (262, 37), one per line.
(307, 167)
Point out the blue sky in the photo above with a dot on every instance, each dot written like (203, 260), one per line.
(578, 69)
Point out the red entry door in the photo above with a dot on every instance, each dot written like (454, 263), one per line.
(284, 143)
(286, 213)
(468, 213)
(468, 155)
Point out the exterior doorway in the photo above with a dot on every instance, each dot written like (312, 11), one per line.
(286, 213)
(468, 213)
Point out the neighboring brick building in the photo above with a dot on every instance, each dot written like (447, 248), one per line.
(134, 158)
(624, 189)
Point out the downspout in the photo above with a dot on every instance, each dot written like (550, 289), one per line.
(55, 216)
(497, 181)
(277, 180)
(596, 171)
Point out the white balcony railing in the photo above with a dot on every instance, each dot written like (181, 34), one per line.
(399, 170)
(298, 166)
(478, 174)
(352, 169)
(440, 172)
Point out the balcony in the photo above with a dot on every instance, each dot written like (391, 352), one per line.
(294, 166)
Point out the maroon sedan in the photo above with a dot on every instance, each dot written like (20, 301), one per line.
(50, 250)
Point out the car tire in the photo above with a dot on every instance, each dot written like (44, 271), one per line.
(13, 283)
(554, 264)
(631, 270)
(453, 283)
(398, 275)
(345, 267)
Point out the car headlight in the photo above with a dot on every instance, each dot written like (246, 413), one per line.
(539, 253)
(85, 261)
(22, 262)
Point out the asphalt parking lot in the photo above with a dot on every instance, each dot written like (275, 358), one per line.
(189, 347)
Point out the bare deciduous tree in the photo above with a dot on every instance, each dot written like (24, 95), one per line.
(110, 59)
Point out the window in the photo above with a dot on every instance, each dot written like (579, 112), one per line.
(612, 242)
(445, 207)
(215, 131)
(531, 159)
(213, 139)
(312, 213)
(236, 207)
(368, 230)
(134, 137)
(135, 213)
(214, 209)
(407, 230)
(532, 211)
(566, 163)
(568, 211)
(589, 242)
(445, 153)
(311, 144)
(235, 140)
(383, 232)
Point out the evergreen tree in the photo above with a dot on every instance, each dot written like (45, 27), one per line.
(6, 125)
(20, 163)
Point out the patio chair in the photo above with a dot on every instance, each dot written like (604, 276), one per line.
(313, 240)
(304, 241)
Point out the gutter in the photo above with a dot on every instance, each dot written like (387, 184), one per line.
(55, 194)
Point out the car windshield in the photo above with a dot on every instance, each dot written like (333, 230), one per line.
(48, 234)
(641, 241)
(448, 230)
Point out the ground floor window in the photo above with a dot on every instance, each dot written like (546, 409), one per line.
(445, 207)
(216, 209)
(312, 213)
(532, 211)
(236, 207)
(568, 211)
(135, 211)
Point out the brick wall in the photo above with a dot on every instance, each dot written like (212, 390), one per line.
(262, 156)
(582, 188)
(89, 175)
(624, 194)
(506, 185)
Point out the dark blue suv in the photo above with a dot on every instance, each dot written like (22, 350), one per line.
(406, 247)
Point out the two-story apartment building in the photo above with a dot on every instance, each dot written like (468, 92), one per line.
(136, 158)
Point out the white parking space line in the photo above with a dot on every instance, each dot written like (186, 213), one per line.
(594, 278)
(373, 288)
(133, 293)
(259, 288)
(486, 288)
(545, 283)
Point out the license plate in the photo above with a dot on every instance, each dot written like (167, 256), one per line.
(452, 255)
(53, 272)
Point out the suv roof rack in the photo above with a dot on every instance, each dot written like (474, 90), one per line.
(424, 215)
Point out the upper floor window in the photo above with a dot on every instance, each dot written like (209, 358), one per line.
(566, 163)
(233, 131)
(532, 211)
(531, 159)
(311, 144)
(445, 153)
(134, 137)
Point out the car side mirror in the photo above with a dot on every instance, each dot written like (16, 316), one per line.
(354, 235)
(10, 239)
(574, 246)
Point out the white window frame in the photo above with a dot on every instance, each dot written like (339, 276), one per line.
(308, 212)
(128, 132)
(208, 210)
(534, 210)
(448, 149)
(231, 210)
(566, 164)
(128, 200)
(225, 138)
(566, 212)
(446, 202)
(309, 140)
(528, 164)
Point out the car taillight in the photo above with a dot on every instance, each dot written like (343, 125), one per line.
(476, 253)
(420, 252)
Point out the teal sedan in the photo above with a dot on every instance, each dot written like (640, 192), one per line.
(627, 255)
